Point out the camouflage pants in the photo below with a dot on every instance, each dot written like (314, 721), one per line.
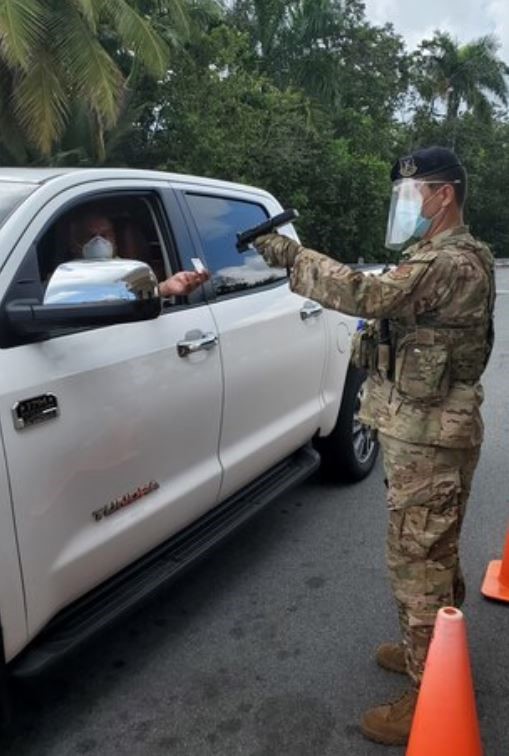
(428, 489)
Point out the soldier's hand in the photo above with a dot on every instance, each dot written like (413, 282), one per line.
(278, 251)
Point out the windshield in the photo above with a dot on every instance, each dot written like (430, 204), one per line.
(11, 195)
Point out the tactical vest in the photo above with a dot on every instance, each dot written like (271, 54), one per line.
(425, 355)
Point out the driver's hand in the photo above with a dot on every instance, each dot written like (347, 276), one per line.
(182, 284)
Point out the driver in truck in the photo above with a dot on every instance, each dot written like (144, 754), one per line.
(94, 238)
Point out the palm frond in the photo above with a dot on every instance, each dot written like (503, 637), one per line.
(76, 156)
(11, 138)
(495, 82)
(22, 26)
(269, 17)
(124, 127)
(77, 131)
(471, 74)
(40, 103)
(91, 72)
(138, 34)
(482, 47)
(177, 12)
(204, 12)
(482, 106)
(315, 20)
(90, 10)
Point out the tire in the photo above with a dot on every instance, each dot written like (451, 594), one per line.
(350, 452)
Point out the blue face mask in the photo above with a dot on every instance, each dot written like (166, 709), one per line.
(407, 222)
(410, 222)
(422, 226)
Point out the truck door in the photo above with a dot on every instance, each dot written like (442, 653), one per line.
(272, 341)
(131, 455)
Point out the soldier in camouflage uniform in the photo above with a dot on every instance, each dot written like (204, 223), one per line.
(424, 353)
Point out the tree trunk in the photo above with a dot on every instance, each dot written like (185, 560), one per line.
(453, 105)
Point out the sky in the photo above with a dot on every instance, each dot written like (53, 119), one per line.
(464, 19)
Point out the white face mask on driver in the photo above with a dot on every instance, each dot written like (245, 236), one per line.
(98, 248)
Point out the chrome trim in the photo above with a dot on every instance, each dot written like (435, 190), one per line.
(310, 310)
(125, 501)
(204, 342)
(99, 281)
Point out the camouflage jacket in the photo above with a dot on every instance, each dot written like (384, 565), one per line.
(439, 304)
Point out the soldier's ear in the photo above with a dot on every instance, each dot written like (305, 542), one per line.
(448, 195)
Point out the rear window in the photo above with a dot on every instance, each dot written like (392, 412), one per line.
(12, 194)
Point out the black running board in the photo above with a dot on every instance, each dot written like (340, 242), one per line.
(101, 607)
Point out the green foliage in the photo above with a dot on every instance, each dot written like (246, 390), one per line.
(484, 149)
(52, 55)
(303, 97)
(461, 75)
(328, 50)
(218, 117)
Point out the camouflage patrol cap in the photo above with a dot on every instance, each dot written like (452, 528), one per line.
(425, 162)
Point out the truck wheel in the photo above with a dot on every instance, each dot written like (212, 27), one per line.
(349, 453)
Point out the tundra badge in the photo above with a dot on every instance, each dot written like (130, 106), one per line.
(35, 410)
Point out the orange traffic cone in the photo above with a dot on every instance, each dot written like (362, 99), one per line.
(496, 580)
(445, 720)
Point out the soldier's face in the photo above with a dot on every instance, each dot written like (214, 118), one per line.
(436, 198)
(417, 209)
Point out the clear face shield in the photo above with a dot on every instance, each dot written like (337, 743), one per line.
(407, 222)
(405, 215)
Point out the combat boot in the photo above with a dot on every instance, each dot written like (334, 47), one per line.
(391, 724)
(391, 656)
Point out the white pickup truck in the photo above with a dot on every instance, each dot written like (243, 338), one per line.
(137, 432)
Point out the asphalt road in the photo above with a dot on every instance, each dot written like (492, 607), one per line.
(267, 648)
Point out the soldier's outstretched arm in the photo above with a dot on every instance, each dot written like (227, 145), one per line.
(338, 287)
(419, 284)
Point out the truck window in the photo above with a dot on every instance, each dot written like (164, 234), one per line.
(129, 222)
(218, 220)
(133, 223)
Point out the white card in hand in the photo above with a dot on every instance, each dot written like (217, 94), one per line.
(198, 265)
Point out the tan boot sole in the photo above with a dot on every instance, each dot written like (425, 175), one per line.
(377, 738)
(391, 669)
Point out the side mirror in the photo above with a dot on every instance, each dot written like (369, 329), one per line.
(87, 293)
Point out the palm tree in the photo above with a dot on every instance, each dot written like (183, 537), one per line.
(263, 19)
(470, 75)
(296, 41)
(57, 54)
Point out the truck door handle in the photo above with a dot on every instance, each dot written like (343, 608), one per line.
(311, 310)
(205, 342)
